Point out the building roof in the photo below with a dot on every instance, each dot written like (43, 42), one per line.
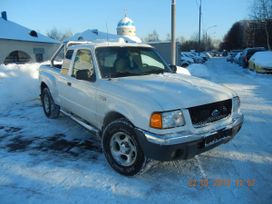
(92, 35)
(95, 35)
(13, 31)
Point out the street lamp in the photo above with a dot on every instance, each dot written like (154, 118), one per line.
(206, 34)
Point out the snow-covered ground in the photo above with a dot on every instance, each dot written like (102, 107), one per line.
(58, 161)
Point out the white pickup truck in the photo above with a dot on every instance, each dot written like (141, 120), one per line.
(137, 104)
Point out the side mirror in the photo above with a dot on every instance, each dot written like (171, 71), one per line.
(173, 68)
(85, 74)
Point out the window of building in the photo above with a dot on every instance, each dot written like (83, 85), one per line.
(33, 33)
(39, 57)
(18, 57)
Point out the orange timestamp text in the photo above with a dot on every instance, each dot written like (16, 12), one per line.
(221, 182)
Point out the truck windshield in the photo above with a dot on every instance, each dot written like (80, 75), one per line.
(129, 61)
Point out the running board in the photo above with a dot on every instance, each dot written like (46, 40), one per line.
(82, 123)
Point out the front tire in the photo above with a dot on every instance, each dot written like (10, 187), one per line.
(122, 149)
(51, 110)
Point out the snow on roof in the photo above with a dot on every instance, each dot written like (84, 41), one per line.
(159, 42)
(263, 58)
(13, 31)
(95, 35)
(92, 35)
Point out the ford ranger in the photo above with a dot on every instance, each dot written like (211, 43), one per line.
(131, 98)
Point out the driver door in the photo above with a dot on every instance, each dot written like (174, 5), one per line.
(82, 86)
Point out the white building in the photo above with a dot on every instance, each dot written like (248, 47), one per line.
(19, 44)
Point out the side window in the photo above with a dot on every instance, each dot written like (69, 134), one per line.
(83, 67)
(66, 62)
(150, 59)
(69, 54)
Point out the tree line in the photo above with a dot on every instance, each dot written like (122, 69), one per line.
(255, 32)
(207, 43)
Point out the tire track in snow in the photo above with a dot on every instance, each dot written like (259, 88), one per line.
(203, 174)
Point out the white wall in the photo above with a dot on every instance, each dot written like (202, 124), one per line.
(8, 46)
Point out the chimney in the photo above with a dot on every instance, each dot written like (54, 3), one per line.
(4, 15)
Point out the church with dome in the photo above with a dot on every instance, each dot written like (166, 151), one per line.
(127, 29)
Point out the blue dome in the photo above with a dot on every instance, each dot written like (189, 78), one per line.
(126, 22)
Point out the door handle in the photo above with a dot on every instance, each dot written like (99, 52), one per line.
(69, 83)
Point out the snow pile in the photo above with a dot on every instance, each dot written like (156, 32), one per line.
(18, 83)
(263, 59)
(181, 70)
(199, 70)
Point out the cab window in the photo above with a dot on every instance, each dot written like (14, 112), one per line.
(83, 68)
(66, 62)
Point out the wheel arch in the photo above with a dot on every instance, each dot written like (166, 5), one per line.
(49, 81)
(112, 116)
(42, 86)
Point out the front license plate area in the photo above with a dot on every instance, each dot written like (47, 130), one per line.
(219, 136)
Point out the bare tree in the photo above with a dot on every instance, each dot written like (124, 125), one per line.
(262, 11)
(58, 35)
(152, 37)
(168, 37)
(180, 39)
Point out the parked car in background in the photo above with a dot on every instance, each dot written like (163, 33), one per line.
(247, 53)
(232, 54)
(215, 53)
(196, 57)
(204, 56)
(261, 62)
(237, 57)
(185, 60)
(225, 53)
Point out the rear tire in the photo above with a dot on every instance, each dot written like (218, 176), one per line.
(51, 110)
(121, 148)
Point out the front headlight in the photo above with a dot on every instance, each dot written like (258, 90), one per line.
(169, 119)
(236, 104)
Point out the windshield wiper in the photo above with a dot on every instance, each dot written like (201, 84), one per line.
(157, 71)
(124, 74)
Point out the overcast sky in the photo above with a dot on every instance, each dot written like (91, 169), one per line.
(148, 15)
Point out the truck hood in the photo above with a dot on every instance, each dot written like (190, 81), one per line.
(173, 91)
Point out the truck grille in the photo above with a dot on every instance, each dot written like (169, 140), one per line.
(201, 115)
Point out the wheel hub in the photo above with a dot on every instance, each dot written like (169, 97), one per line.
(123, 149)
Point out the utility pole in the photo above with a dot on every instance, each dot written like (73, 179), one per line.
(199, 26)
(173, 32)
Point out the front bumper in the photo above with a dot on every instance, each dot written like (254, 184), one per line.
(263, 70)
(184, 145)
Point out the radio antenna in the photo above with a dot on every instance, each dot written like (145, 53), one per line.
(107, 33)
